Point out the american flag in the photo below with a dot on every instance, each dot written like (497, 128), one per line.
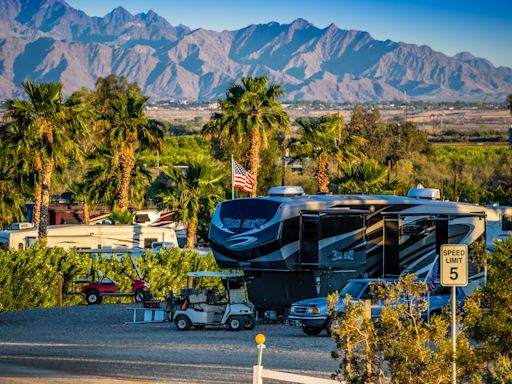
(433, 275)
(241, 178)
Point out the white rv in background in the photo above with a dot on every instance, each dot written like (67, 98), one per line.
(83, 236)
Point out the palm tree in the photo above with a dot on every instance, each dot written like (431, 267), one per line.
(128, 129)
(368, 176)
(11, 201)
(81, 190)
(195, 189)
(49, 122)
(105, 180)
(249, 109)
(319, 141)
(20, 151)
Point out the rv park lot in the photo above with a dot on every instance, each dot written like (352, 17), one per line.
(92, 343)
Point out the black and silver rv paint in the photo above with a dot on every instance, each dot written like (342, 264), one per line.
(309, 245)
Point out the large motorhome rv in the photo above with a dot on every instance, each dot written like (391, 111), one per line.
(300, 246)
(82, 236)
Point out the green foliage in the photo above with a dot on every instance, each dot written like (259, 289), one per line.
(194, 190)
(250, 110)
(490, 308)
(28, 278)
(400, 347)
(168, 270)
(121, 217)
(367, 176)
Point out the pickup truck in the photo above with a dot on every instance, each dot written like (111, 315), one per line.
(312, 315)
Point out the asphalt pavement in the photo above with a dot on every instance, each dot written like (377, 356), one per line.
(92, 344)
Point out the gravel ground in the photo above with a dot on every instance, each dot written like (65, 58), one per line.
(93, 341)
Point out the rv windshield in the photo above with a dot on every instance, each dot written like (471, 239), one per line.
(246, 214)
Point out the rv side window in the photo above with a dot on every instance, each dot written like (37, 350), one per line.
(30, 241)
(506, 223)
(148, 242)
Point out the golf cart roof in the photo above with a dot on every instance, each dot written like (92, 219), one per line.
(214, 274)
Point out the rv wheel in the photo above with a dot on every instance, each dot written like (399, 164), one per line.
(312, 331)
(93, 297)
(236, 323)
(183, 323)
(250, 322)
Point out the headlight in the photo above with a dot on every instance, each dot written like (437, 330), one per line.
(314, 311)
(146, 285)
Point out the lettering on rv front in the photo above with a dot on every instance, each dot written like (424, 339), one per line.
(247, 223)
(340, 255)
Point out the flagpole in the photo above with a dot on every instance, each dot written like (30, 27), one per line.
(232, 179)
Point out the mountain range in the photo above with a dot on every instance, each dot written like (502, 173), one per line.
(48, 40)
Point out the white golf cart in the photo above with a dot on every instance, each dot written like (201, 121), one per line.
(211, 308)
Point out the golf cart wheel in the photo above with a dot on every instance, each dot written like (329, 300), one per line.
(141, 295)
(312, 331)
(183, 323)
(236, 323)
(250, 322)
(93, 297)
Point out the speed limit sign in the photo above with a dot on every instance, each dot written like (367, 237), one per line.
(454, 265)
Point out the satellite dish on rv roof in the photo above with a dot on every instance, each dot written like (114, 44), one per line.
(286, 191)
(424, 193)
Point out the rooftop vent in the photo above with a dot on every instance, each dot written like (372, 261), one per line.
(424, 193)
(24, 225)
(286, 191)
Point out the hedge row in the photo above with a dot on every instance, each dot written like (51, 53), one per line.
(28, 278)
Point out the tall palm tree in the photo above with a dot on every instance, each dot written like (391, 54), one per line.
(252, 109)
(128, 130)
(81, 190)
(11, 201)
(50, 122)
(195, 189)
(20, 151)
(105, 180)
(368, 176)
(319, 141)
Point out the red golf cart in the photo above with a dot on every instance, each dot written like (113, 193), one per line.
(96, 286)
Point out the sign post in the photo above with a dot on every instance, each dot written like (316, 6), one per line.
(454, 273)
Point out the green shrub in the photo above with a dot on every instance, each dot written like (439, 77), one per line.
(28, 278)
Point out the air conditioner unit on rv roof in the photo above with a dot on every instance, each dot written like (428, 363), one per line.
(424, 193)
(286, 191)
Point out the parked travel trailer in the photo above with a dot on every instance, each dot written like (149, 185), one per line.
(301, 246)
(82, 236)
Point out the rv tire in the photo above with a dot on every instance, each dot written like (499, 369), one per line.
(92, 296)
(312, 331)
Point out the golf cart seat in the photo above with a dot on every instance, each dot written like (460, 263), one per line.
(197, 298)
(210, 308)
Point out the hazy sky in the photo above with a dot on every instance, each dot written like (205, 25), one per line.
(483, 28)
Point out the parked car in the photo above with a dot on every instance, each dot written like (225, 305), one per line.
(312, 315)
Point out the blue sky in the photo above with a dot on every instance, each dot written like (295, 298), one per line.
(483, 28)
